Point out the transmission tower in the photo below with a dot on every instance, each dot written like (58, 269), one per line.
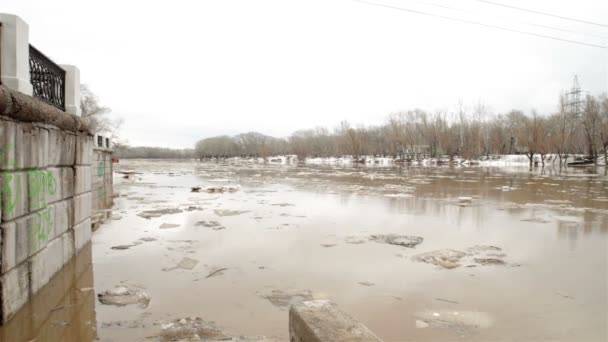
(574, 99)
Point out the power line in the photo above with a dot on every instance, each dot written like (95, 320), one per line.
(542, 13)
(480, 24)
(520, 22)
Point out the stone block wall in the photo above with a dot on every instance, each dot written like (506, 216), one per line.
(101, 183)
(45, 216)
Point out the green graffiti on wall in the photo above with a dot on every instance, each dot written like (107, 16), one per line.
(41, 183)
(100, 169)
(10, 197)
(42, 227)
(4, 151)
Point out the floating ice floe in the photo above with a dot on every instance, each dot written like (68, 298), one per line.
(485, 255)
(399, 240)
(122, 295)
(218, 189)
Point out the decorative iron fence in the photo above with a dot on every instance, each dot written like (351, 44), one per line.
(47, 78)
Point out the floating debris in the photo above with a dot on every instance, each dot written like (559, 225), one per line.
(366, 283)
(148, 239)
(122, 247)
(446, 300)
(218, 189)
(399, 240)
(564, 295)
(282, 205)
(215, 273)
(489, 261)
(536, 220)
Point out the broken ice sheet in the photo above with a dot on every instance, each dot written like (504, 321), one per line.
(185, 264)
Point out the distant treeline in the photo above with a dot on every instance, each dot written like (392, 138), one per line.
(466, 132)
(152, 152)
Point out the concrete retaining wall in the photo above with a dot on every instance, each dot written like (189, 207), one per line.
(37, 320)
(323, 321)
(45, 182)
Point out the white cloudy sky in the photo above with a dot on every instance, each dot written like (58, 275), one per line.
(179, 70)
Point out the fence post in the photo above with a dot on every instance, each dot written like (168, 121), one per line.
(14, 54)
(72, 89)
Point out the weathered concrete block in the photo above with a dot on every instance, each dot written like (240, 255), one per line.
(84, 149)
(67, 182)
(44, 187)
(323, 321)
(68, 246)
(68, 148)
(31, 146)
(14, 195)
(7, 145)
(53, 148)
(82, 207)
(14, 291)
(41, 229)
(95, 199)
(83, 179)
(63, 215)
(22, 147)
(45, 264)
(82, 234)
(15, 243)
(42, 148)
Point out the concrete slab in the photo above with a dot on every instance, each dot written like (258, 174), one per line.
(323, 321)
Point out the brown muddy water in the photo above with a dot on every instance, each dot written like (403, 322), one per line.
(524, 258)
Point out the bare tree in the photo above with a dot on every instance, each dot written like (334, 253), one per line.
(591, 121)
(95, 113)
(531, 134)
(603, 126)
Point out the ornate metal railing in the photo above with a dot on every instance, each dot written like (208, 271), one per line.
(47, 78)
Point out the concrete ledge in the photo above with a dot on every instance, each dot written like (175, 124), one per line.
(25, 108)
(323, 321)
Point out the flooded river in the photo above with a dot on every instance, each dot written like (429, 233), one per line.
(415, 253)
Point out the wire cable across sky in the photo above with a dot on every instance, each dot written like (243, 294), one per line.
(516, 21)
(480, 24)
(541, 13)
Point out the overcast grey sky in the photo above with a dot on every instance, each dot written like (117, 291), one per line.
(179, 70)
